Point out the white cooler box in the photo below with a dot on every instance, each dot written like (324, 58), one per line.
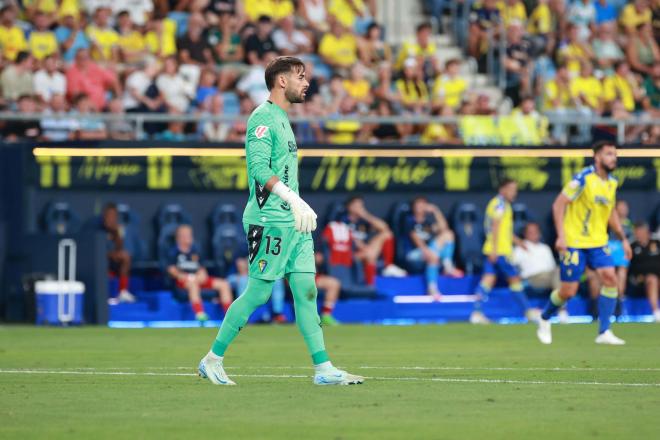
(60, 302)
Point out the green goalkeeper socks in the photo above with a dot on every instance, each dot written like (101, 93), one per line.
(304, 291)
(256, 293)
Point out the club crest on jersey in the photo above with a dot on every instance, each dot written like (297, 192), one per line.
(600, 200)
(260, 131)
(262, 265)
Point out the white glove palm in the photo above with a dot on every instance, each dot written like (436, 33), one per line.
(303, 215)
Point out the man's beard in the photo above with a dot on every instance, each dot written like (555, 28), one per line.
(608, 168)
(293, 98)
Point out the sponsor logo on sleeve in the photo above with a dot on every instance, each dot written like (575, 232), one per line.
(260, 131)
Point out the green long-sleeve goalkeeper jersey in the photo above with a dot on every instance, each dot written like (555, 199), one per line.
(271, 150)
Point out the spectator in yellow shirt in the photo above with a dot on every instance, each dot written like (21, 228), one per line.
(68, 7)
(358, 88)
(423, 49)
(540, 20)
(338, 48)
(413, 94)
(533, 133)
(559, 103)
(557, 91)
(635, 14)
(512, 11)
(33, 7)
(132, 47)
(42, 41)
(275, 9)
(623, 86)
(575, 51)
(439, 133)
(450, 87)
(103, 37)
(587, 90)
(348, 11)
(161, 37)
(12, 38)
(539, 25)
(341, 128)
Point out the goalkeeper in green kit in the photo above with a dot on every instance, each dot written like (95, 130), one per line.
(278, 224)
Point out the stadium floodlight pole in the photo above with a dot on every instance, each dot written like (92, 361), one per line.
(278, 223)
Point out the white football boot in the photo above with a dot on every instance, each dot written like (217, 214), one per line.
(544, 332)
(608, 338)
(335, 376)
(213, 370)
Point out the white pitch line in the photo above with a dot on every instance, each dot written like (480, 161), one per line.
(394, 368)
(448, 368)
(420, 368)
(293, 376)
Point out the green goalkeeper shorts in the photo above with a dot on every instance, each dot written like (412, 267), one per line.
(275, 251)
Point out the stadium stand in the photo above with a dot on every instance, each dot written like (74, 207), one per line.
(523, 64)
(198, 60)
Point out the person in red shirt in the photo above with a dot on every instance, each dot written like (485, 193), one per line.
(339, 238)
(87, 77)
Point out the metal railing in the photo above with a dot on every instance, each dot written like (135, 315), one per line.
(140, 119)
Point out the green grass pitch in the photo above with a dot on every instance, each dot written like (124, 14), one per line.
(425, 382)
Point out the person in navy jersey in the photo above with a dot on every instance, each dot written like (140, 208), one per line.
(645, 266)
(484, 18)
(429, 240)
(372, 238)
(185, 267)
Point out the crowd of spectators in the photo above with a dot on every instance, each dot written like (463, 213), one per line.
(578, 58)
(68, 58)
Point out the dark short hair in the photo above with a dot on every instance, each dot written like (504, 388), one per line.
(424, 25)
(110, 206)
(619, 64)
(123, 12)
(352, 199)
(640, 224)
(78, 98)
(21, 56)
(279, 66)
(418, 199)
(451, 62)
(264, 19)
(597, 146)
(504, 182)
(528, 224)
(371, 26)
(25, 98)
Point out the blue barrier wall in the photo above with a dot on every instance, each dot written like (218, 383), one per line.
(24, 194)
